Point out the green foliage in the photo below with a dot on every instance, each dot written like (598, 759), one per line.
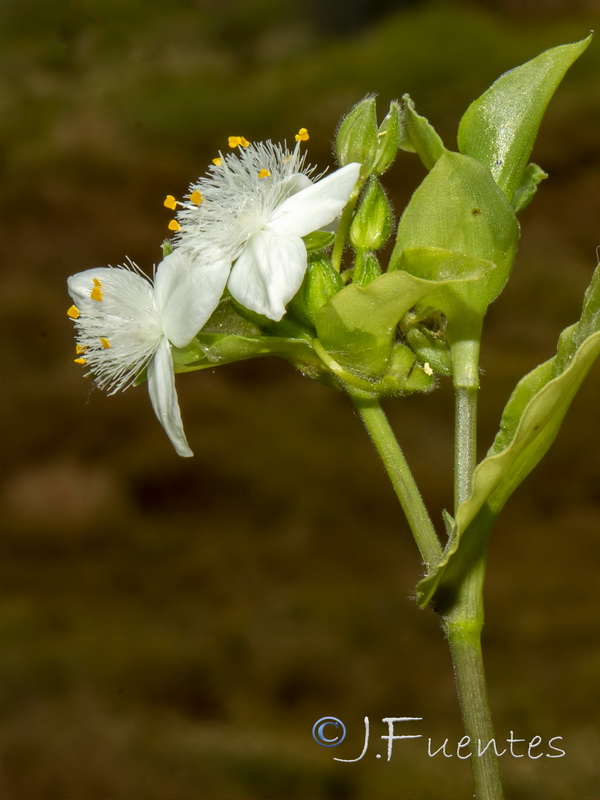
(524, 194)
(500, 127)
(358, 326)
(459, 209)
(389, 135)
(419, 136)
(530, 423)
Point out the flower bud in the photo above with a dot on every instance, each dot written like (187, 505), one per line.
(357, 138)
(389, 135)
(372, 223)
(320, 283)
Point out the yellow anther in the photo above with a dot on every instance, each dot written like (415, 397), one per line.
(302, 135)
(238, 141)
(264, 173)
(170, 202)
(80, 348)
(217, 162)
(196, 197)
(96, 293)
(174, 225)
(105, 343)
(80, 360)
(73, 312)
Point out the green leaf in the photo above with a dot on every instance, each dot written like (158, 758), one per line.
(530, 423)
(532, 177)
(459, 208)
(419, 135)
(357, 327)
(500, 127)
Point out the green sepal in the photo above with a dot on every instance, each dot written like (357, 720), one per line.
(357, 327)
(389, 136)
(357, 139)
(209, 350)
(318, 240)
(372, 223)
(500, 127)
(419, 135)
(525, 191)
(459, 208)
(530, 423)
(321, 282)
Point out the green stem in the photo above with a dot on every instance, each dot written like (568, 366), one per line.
(465, 451)
(463, 621)
(462, 625)
(341, 235)
(378, 427)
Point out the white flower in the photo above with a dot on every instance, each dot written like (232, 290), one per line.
(124, 323)
(246, 218)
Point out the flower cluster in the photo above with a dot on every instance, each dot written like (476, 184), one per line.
(240, 228)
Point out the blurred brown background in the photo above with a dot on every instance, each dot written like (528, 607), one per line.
(171, 629)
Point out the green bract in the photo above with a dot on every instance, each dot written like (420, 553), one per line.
(389, 136)
(357, 327)
(419, 135)
(500, 127)
(529, 425)
(459, 208)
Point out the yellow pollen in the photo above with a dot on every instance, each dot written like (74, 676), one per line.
(96, 293)
(174, 225)
(80, 360)
(170, 202)
(105, 343)
(217, 162)
(264, 173)
(80, 348)
(73, 312)
(238, 141)
(302, 135)
(196, 197)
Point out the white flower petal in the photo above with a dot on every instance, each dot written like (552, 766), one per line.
(163, 396)
(317, 205)
(187, 290)
(295, 183)
(268, 273)
(80, 285)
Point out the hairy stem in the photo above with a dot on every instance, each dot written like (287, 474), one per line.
(378, 427)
